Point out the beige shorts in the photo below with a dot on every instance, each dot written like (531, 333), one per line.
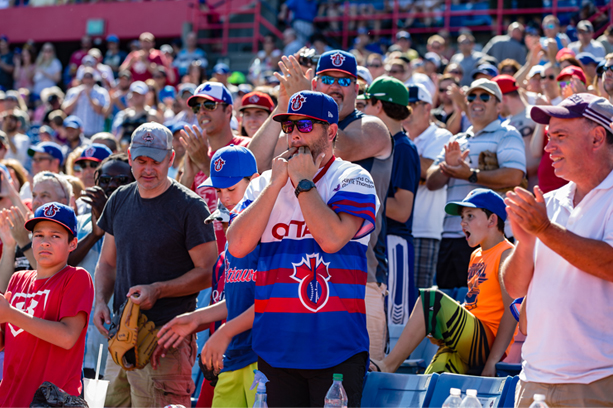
(596, 394)
(170, 384)
(375, 319)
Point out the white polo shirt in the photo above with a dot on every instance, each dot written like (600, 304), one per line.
(569, 312)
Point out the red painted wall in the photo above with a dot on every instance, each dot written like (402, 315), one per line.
(68, 22)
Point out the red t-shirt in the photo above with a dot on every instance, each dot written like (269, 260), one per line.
(30, 361)
(548, 181)
(139, 70)
(77, 57)
(210, 196)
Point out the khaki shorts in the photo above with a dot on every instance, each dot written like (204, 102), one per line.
(376, 323)
(170, 384)
(596, 394)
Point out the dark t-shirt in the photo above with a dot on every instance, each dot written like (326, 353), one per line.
(153, 237)
(405, 176)
(6, 78)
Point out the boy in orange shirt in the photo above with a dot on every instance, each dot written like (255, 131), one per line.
(44, 313)
(478, 332)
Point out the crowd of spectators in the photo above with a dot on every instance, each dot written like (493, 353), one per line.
(460, 116)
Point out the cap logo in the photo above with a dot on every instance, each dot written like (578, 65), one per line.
(148, 137)
(90, 151)
(254, 99)
(337, 59)
(219, 164)
(207, 87)
(51, 210)
(330, 115)
(297, 102)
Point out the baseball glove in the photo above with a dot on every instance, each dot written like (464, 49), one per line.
(489, 161)
(132, 337)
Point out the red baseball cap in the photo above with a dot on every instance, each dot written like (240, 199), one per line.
(258, 100)
(572, 71)
(563, 52)
(506, 83)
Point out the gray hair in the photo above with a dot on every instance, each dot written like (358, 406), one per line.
(63, 186)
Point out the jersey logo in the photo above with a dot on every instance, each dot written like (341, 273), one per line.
(28, 303)
(476, 276)
(297, 102)
(337, 59)
(50, 210)
(148, 137)
(254, 99)
(219, 164)
(90, 151)
(313, 275)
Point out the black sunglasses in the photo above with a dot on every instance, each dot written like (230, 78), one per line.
(485, 97)
(207, 105)
(303, 125)
(119, 179)
(549, 77)
(85, 164)
(607, 68)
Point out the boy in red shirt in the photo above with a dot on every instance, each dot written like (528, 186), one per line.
(44, 313)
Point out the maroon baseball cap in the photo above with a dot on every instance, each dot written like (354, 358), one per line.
(581, 105)
(258, 100)
(506, 83)
(573, 71)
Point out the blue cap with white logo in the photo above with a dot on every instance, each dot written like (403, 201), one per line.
(338, 60)
(95, 152)
(213, 91)
(229, 165)
(311, 104)
(52, 149)
(56, 212)
(479, 198)
(74, 122)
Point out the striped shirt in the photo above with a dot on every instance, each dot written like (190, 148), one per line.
(508, 145)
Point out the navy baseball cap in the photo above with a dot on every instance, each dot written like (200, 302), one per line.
(479, 198)
(74, 122)
(581, 105)
(56, 212)
(338, 60)
(229, 165)
(213, 91)
(487, 69)
(587, 58)
(50, 148)
(310, 104)
(95, 152)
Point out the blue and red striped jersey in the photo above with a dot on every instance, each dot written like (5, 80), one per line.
(309, 304)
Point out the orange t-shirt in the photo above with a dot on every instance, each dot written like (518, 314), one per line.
(484, 297)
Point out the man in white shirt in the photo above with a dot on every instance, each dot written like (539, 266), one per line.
(562, 261)
(586, 43)
(88, 102)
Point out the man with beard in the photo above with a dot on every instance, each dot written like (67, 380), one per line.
(112, 173)
(361, 139)
(312, 215)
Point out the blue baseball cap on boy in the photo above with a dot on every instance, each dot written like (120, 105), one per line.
(52, 149)
(310, 104)
(56, 212)
(338, 60)
(479, 198)
(95, 152)
(229, 165)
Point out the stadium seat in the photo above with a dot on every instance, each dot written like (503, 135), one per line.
(419, 358)
(460, 294)
(490, 390)
(509, 398)
(397, 390)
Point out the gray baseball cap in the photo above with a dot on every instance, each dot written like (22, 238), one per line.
(488, 86)
(151, 140)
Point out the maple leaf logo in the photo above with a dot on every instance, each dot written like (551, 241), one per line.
(313, 275)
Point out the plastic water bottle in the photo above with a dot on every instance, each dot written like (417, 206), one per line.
(539, 401)
(470, 400)
(260, 397)
(336, 396)
(454, 400)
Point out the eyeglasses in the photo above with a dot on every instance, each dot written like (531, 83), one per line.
(85, 164)
(607, 68)
(40, 159)
(303, 125)
(454, 72)
(208, 106)
(549, 77)
(549, 26)
(328, 80)
(374, 65)
(564, 84)
(485, 97)
(395, 71)
(104, 179)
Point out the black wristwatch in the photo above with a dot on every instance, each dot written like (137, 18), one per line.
(473, 177)
(304, 185)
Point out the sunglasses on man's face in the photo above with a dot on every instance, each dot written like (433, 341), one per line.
(206, 105)
(119, 179)
(328, 80)
(303, 125)
(607, 68)
(485, 97)
(550, 77)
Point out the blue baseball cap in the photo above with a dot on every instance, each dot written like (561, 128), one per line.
(50, 148)
(229, 165)
(213, 91)
(74, 122)
(95, 152)
(487, 69)
(338, 60)
(479, 198)
(112, 38)
(167, 92)
(56, 212)
(221, 68)
(176, 126)
(587, 58)
(310, 104)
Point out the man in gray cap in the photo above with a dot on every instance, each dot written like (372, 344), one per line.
(562, 261)
(586, 42)
(158, 252)
(458, 167)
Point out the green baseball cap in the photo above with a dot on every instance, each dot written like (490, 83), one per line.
(387, 89)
